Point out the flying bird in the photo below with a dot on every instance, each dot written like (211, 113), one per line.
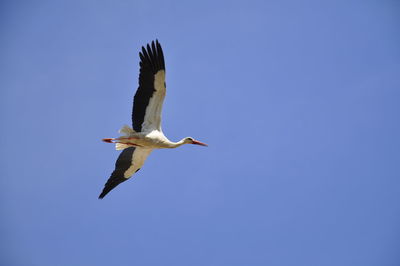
(146, 133)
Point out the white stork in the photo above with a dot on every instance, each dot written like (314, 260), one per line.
(146, 135)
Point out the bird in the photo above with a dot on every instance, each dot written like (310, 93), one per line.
(145, 135)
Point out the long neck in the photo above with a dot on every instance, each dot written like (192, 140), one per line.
(172, 144)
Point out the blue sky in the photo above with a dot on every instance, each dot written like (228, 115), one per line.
(298, 101)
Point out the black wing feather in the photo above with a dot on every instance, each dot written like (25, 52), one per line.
(151, 61)
(122, 164)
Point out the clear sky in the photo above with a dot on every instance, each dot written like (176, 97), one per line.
(298, 101)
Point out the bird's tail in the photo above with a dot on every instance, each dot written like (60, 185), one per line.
(126, 130)
(121, 146)
(127, 134)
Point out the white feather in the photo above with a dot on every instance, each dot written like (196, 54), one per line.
(127, 130)
(138, 158)
(152, 118)
(121, 146)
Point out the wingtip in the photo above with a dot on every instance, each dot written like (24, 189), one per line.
(105, 191)
(102, 195)
(152, 57)
(144, 52)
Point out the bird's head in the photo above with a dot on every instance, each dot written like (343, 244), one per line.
(190, 140)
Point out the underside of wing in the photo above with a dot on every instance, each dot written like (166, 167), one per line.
(129, 162)
(149, 97)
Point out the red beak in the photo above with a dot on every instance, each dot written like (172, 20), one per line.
(199, 143)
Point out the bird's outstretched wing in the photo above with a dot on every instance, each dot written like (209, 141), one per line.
(129, 162)
(149, 97)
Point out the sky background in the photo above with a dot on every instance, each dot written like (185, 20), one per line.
(298, 101)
